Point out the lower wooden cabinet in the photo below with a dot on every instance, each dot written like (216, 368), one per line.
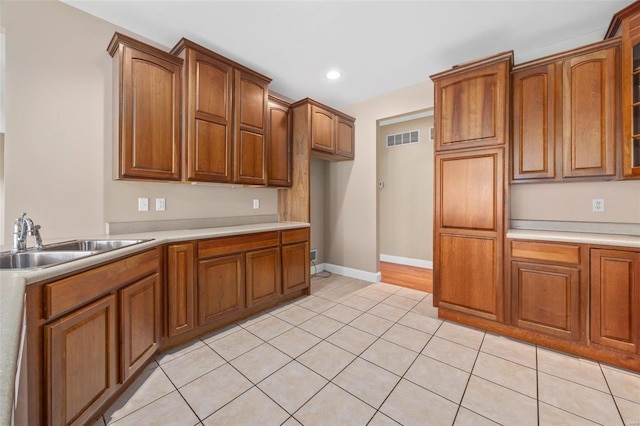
(295, 267)
(263, 282)
(81, 355)
(220, 287)
(180, 289)
(615, 299)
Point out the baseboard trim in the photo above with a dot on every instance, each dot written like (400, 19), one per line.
(406, 261)
(348, 272)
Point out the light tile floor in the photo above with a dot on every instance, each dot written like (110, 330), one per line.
(359, 353)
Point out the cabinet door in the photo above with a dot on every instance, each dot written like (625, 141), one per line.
(546, 299)
(589, 114)
(180, 289)
(209, 118)
(81, 357)
(322, 130)
(251, 95)
(295, 267)
(140, 323)
(263, 276)
(220, 287)
(149, 117)
(345, 139)
(615, 298)
(279, 146)
(631, 97)
(534, 109)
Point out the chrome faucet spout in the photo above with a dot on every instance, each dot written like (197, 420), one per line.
(23, 227)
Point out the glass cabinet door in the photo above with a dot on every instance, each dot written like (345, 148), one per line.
(635, 144)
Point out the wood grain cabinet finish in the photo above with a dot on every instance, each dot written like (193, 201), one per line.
(345, 137)
(140, 323)
(263, 282)
(279, 143)
(180, 289)
(81, 362)
(295, 260)
(472, 104)
(565, 115)
(221, 289)
(148, 84)
(615, 299)
(323, 136)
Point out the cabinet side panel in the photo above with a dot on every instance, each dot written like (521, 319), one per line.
(616, 277)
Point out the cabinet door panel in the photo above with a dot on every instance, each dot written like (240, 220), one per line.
(279, 145)
(212, 152)
(295, 267)
(589, 122)
(322, 134)
(615, 297)
(213, 87)
(81, 355)
(263, 275)
(250, 166)
(180, 289)
(220, 287)
(345, 138)
(252, 100)
(141, 322)
(546, 299)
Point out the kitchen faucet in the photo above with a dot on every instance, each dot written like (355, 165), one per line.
(22, 227)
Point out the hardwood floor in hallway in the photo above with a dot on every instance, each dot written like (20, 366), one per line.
(407, 276)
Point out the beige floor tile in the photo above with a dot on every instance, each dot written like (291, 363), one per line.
(509, 349)
(387, 312)
(578, 370)
(506, 373)
(410, 293)
(499, 404)
(212, 391)
(296, 315)
(192, 365)
(461, 334)
(334, 406)
(367, 381)
(254, 319)
(294, 342)
(292, 422)
(386, 287)
(360, 303)
(168, 410)
(235, 344)
(292, 386)
(629, 410)
(398, 301)
(342, 313)
(409, 404)
(352, 339)
(151, 366)
(425, 307)
(469, 418)
(451, 353)
(373, 294)
(420, 322)
(251, 408)
(321, 326)
(390, 356)
(219, 334)
(407, 337)
(371, 324)
(623, 383)
(316, 304)
(326, 359)
(552, 416)
(150, 386)
(269, 328)
(381, 420)
(179, 351)
(577, 399)
(260, 362)
(448, 382)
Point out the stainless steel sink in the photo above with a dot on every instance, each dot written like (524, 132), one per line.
(39, 259)
(91, 245)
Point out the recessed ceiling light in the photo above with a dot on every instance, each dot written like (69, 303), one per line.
(333, 75)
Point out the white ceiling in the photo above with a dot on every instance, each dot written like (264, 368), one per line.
(378, 46)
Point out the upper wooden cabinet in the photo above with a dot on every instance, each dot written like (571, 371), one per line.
(147, 81)
(472, 103)
(279, 147)
(331, 133)
(626, 23)
(225, 118)
(564, 115)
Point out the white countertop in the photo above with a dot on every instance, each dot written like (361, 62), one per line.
(576, 237)
(13, 284)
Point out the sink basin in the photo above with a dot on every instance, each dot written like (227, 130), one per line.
(39, 259)
(91, 245)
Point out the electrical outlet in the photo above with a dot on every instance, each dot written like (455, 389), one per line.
(598, 205)
(256, 204)
(143, 204)
(314, 255)
(160, 204)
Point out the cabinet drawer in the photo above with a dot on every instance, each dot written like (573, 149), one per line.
(226, 245)
(77, 290)
(295, 235)
(557, 253)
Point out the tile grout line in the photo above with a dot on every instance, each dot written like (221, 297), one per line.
(484, 335)
(611, 393)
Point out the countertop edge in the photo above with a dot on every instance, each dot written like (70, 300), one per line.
(576, 237)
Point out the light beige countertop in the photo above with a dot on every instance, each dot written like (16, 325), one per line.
(576, 237)
(13, 284)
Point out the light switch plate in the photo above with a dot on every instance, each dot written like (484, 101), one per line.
(143, 204)
(160, 204)
(256, 204)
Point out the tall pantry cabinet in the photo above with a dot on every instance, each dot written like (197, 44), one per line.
(471, 144)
